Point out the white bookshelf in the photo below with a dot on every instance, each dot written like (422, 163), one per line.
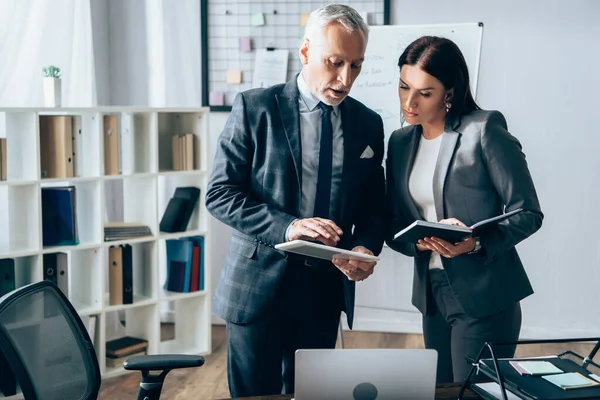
(147, 181)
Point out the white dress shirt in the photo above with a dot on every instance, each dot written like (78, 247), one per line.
(310, 134)
(310, 137)
(420, 184)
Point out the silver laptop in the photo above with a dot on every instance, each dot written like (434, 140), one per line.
(365, 374)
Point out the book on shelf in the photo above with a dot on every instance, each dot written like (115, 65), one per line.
(59, 216)
(56, 146)
(118, 362)
(185, 265)
(183, 152)
(124, 346)
(3, 168)
(452, 233)
(180, 209)
(125, 230)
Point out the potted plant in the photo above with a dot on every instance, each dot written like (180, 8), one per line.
(52, 86)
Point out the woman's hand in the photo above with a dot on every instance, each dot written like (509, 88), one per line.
(445, 248)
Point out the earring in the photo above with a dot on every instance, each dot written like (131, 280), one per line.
(448, 106)
(402, 119)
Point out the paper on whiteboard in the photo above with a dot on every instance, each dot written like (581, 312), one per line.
(270, 68)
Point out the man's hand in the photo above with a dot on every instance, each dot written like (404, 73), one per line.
(356, 270)
(445, 248)
(321, 229)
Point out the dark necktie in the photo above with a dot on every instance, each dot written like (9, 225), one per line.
(323, 195)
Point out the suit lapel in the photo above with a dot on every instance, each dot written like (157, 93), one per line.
(447, 147)
(287, 102)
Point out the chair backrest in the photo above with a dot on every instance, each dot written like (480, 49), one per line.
(47, 345)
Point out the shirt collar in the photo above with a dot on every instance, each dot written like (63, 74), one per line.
(308, 98)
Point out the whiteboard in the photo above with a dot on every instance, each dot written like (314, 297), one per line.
(377, 84)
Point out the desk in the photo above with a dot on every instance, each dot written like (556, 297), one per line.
(442, 392)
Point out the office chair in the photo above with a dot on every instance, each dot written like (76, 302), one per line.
(52, 356)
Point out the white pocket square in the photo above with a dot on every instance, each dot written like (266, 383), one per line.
(367, 153)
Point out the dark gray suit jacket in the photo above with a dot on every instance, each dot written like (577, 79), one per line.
(255, 188)
(480, 171)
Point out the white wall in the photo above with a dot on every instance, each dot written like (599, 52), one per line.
(539, 67)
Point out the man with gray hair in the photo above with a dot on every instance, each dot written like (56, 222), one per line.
(300, 160)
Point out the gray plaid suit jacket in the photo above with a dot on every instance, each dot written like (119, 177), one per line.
(255, 188)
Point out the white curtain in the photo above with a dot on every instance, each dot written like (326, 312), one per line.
(37, 33)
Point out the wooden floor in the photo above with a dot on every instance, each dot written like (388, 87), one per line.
(210, 381)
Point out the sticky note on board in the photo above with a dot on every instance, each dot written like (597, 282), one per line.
(234, 76)
(245, 44)
(304, 19)
(258, 19)
(216, 99)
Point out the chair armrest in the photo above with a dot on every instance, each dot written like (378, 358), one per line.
(163, 361)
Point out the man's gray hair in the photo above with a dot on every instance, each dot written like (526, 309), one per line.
(343, 14)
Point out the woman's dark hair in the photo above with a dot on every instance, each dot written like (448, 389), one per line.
(441, 58)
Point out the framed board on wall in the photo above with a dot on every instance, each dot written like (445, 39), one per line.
(234, 31)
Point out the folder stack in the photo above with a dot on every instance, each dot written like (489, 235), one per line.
(56, 146)
(3, 159)
(183, 152)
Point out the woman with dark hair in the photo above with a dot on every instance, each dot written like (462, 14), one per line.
(458, 164)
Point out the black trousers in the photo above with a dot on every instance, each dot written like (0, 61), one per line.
(304, 315)
(454, 334)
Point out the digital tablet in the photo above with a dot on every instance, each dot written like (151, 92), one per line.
(321, 251)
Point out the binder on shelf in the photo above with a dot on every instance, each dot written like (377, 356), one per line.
(179, 209)
(59, 216)
(111, 144)
(7, 276)
(532, 387)
(115, 275)
(56, 270)
(8, 380)
(56, 146)
(127, 261)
